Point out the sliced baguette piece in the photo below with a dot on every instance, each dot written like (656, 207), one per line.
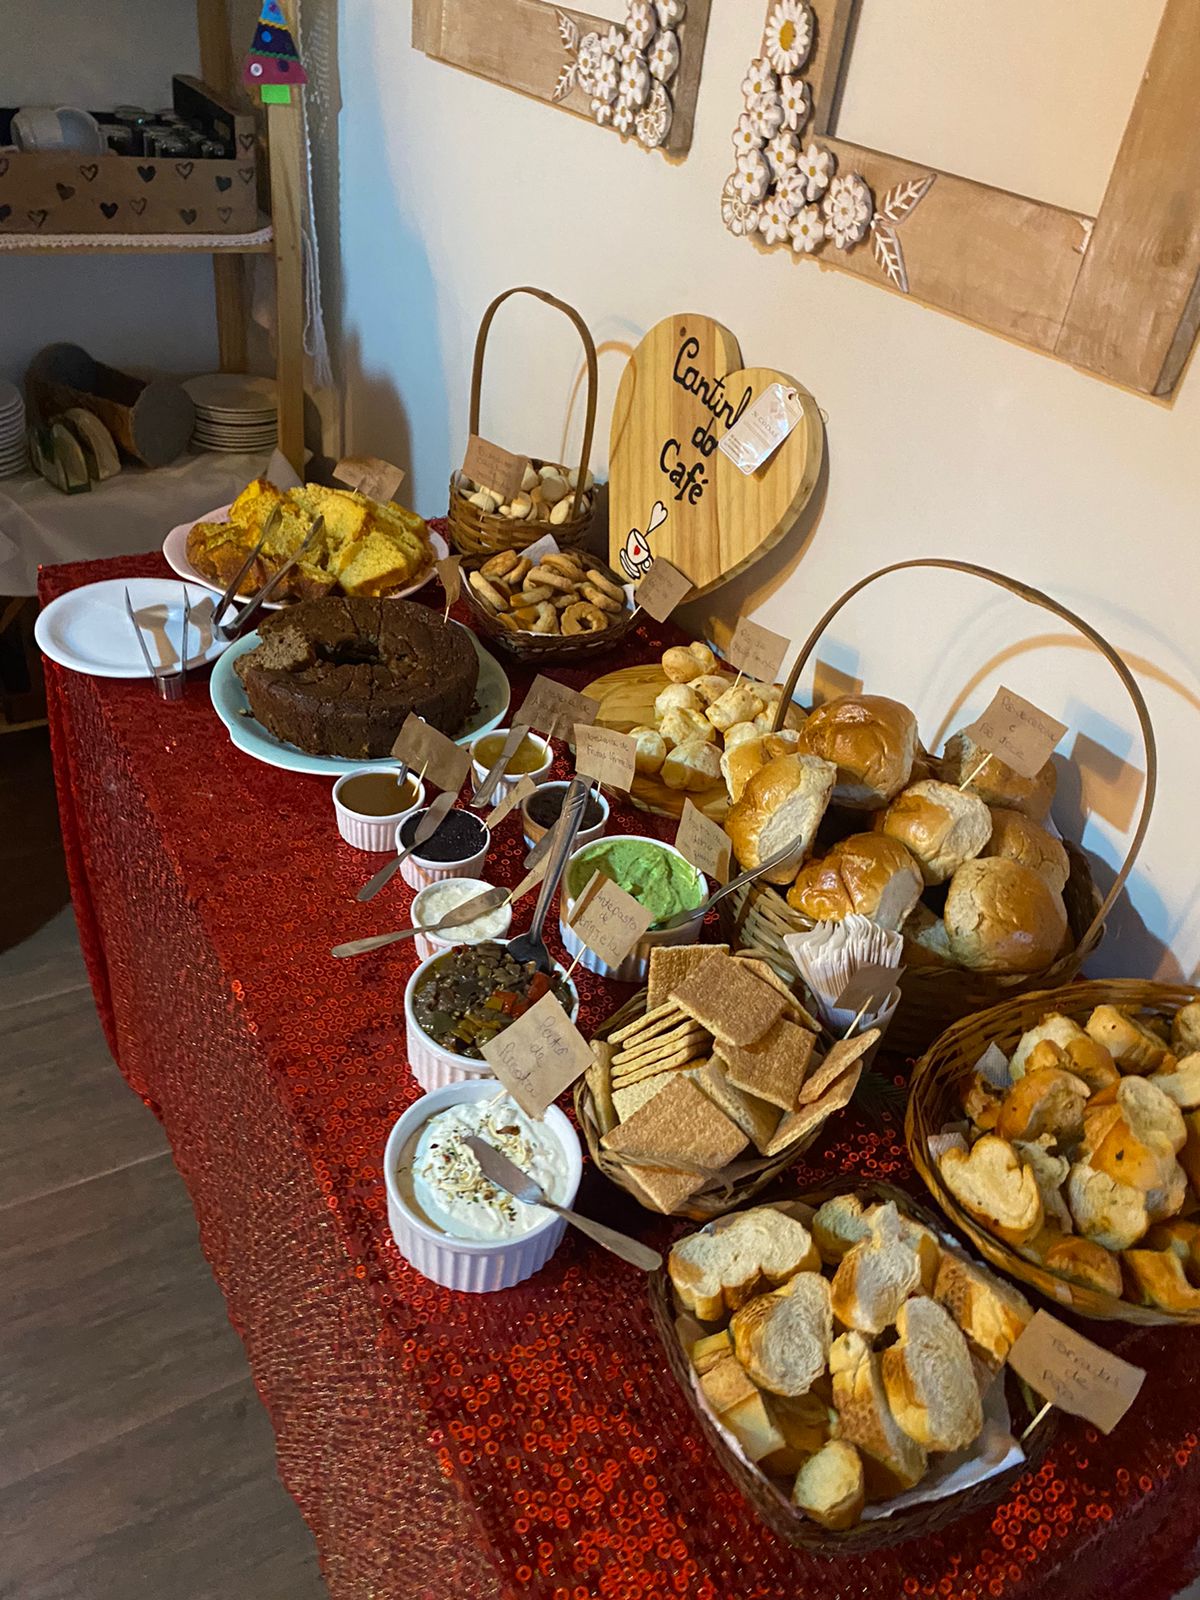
(839, 1224)
(1076, 1259)
(892, 1462)
(806, 1421)
(714, 1347)
(1161, 1280)
(1110, 1213)
(1182, 1083)
(929, 1378)
(782, 1339)
(991, 1313)
(877, 1275)
(750, 1423)
(1132, 1045)
(726, 1385)
(993, 1184)
(830, 1487)
(715, 1272)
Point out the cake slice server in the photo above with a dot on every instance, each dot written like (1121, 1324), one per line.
(426, 828)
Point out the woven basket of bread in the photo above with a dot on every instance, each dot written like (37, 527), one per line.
(807, 1487)
(941, 985)
(1081, 1178)
(581, 615)
(477, 530)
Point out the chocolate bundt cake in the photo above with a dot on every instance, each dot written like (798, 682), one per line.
(338, 677)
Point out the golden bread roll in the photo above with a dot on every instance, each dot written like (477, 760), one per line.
(711, 686)
(997, 784)
(1076, 1259)
(1019, 838)
(1046, 1101)
(1183, 1237)
(651, 749)
(782, 803)
(1054, 1027)
(1002, 917)
(735, 705)
(675, 697)
(740, 733)
(870, 740)
(692, 765)
(867, 873)
(941, 826)
(1160, 1280)
(742, 760)
(681, 664)
(1092, 1062)
(1181, 1082)
(680, 724)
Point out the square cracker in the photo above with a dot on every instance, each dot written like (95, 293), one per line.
(734, 1005)
(672, 1063)
(756, 1118)
(679, 1124)
(672, 963)
(635, 1051)
(662, 1188)
(841, 1058)
(599, 1081)
(795, 1010)
(774, 1069)
(635, 1095)
(654, 1020)
(794, 1126)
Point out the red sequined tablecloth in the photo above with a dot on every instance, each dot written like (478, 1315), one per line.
(520, 1444)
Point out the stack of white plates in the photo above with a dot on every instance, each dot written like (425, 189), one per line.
(14, 457)
(233, 412)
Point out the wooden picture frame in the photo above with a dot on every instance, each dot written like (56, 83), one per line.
(647, 93)
(1117, 294)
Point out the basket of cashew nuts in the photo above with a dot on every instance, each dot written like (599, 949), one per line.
(567, 606)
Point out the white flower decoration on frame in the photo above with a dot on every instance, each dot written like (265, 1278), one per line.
(654, 119)
(628, 71)
(624, 115)
(664, 58)
(634, 84)
(641, 23)
(670, 12)
(804, 201)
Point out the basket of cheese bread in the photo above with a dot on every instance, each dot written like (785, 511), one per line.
(1061, 1132)
(845, 1360)
(955, 851)
(710, 1082)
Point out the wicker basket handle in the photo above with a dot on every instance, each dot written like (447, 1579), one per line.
(589, 348)
(1035, 597)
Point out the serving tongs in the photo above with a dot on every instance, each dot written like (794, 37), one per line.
(531, 946)
(170, 682)
(235, 629)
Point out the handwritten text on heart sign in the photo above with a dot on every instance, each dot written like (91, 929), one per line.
(690, 482)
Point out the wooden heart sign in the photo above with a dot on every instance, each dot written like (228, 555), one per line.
(672, 492)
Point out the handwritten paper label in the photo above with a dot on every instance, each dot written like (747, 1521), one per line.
(757, 651)
(662, 589)
(758, 432)
(1075, 1374)
(552, 708)
(446, 764)
(1015, 730)
(704, 842)
(869, 986)
(538, 1056)
(450, 572)
(493, 468)
(993, 1067)
(606, 755)
(532, 878)
(377, 479)
(607, 920)
(520, 791)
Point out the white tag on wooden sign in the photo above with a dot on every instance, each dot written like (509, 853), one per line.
(538, 1056)
(762, 428)
(377, 479)
(493, 468)
(1015, 730)
(553, 708)
(1075, 1374)
(993, 1066)
(608, 920)
(520, 790)
(662, 589)
(757, 651)
(606, 755)
(446, 764)
(450, 572)
(704, 842)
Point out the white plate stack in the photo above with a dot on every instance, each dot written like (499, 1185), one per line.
(14, 456)
(233, 412)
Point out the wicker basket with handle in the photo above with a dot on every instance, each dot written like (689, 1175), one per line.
(934, 1101)
(549, 648)
(934, 996)
(480, 533)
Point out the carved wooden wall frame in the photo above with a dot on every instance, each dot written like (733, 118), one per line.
(1117, 294)
(533, 46)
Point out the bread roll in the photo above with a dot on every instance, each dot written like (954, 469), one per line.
(870, 740)
(1059, 1029)
(651, 749)
(676, 697)
(867, 873)
(940, 825)
(742, 760)
(1132, 1045)
(740, 733)
(1182, 1082)
(1018, 838)
(1002, 917)
(681, 724)
(929, 1379)
(692, 765)
(981, 1101)
(1161, 1280)
(711, 686)
(1046, 1101)
(926, 943)
(782, 1339)
(735, 705)
(997, 784)
(995, 1186)
(1110, 1213)
(1185, 1029)
(782, 803)
(830, 1487)
(1076, 1259)
(1183, 1237)
(681, 664)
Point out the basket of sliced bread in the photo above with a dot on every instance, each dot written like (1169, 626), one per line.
(846, 1361)
(1061, 1132)
(710, 1082)
(956, 851)
(564, 605)
(552, 498)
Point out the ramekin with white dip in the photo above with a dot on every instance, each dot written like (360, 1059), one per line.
(433, 902)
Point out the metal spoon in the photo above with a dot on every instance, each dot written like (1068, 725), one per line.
(706, 906)
(531, 946)
(426, 828)
(478, 906)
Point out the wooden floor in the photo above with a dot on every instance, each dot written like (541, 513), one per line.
(136, 1462)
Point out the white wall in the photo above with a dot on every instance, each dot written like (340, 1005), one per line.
(942, 439)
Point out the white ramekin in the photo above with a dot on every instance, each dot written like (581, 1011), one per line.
(436, 1068)
(585, 835)
(506, 783)
(432, 944)
(637, 963)
(472, 1266)
(370, 833)
(419, 874)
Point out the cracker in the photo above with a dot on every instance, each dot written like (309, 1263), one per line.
(679, 1124)
(736, 1007)
(635, 1095)
(653, 1021)
(796, 1010)
(757, 1118)
(664, 1043)
(672, 1063)
(841, 1058)
(774, 1069)
(662, 1188)
(599, 1081)
(671, 964)
(797, 1123)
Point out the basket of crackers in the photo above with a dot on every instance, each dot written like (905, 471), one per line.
(562, 606)
(846, 1361)
(710, 1082)
(552, 498)
(1061, 1132)
(956, 851)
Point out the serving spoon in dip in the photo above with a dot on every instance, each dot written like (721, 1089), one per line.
(531, 946)
(705, 906)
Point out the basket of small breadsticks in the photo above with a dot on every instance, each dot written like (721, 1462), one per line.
(563, 605)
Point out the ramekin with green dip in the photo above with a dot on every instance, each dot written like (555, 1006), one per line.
(656, 875)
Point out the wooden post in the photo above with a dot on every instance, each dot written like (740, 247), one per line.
(229, 280)
(285, 141)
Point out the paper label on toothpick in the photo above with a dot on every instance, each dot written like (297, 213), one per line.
(662, 589)
(704, 842)
(606, 755)
(554, 709)
(1017, 731)
(762, 428)
(446, 764)
(520, 791)
(1075, 1374)
(757, 651)
(377, 479)
(607, 920)
(493, 468)
(993, 1066)
(450, 572)
(538, 1056)
(531, 879)
(869, 986)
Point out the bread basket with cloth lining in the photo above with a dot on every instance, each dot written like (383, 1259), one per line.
(934, 1101)
(481, 533)
(934, 996)
(548, 647)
